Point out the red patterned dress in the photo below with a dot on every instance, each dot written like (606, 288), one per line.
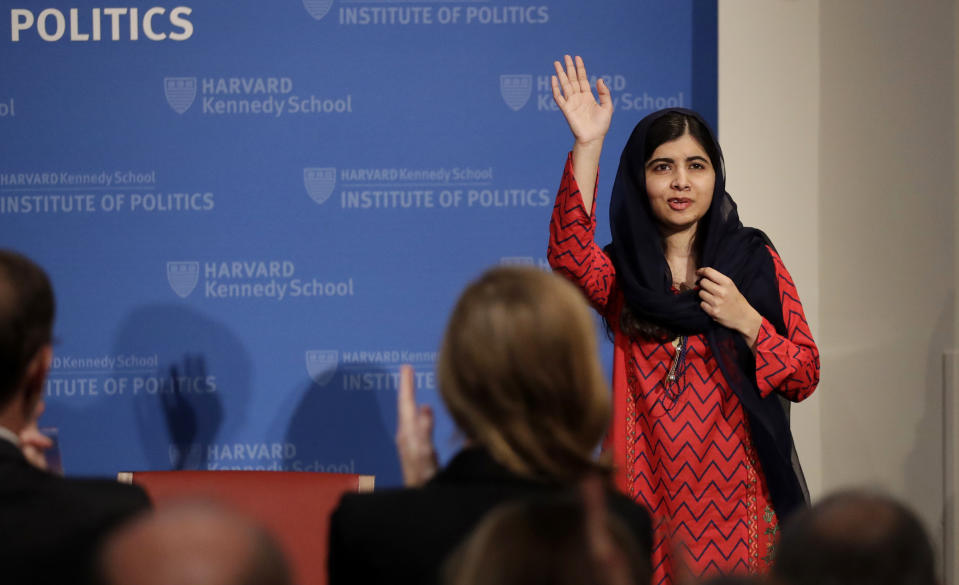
(685, 452)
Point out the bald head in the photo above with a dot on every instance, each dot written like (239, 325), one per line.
(193, 544)
(855, 538)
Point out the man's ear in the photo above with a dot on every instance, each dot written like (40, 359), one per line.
(35, 376)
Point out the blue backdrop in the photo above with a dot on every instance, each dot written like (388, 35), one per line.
(254, 212)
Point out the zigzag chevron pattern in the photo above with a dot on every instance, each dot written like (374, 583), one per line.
(691, 463)
(788, 365)
(572, 249)
(686, 450)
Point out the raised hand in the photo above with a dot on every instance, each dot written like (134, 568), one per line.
(33, 443)
(588, 119)
(414, 433)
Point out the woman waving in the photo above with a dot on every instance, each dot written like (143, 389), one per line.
(710, 337)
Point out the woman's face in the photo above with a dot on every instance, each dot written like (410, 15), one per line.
(679, 183)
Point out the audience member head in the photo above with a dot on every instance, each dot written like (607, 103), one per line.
(192, 544)
(855, 538)
(518, 370)
(26, 328)
(551, 541)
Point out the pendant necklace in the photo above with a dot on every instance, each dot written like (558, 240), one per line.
(676, 368)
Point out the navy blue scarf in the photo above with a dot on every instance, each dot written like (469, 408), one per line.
(739, 253)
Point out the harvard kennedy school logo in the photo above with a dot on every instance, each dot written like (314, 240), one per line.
(319, 183)
(516, 90)
(321, 364)
(180, 92)
(317, 8)
(182, 277)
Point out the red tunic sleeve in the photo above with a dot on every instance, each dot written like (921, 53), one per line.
(788, 364)
(572, 249)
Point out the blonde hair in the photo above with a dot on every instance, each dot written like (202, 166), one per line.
(519, 372)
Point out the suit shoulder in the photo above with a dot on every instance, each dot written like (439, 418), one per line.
(108, 493)
(381, 504)
(45, 517)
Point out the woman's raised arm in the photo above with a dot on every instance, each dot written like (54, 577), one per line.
(588, 119)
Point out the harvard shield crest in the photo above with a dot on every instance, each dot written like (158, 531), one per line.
(321, 364)
(180, 92)
(317, 8)
(515, 90)
(182, 277)
(319, 183)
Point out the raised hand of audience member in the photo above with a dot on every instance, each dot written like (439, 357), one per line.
(33, 443)
(414, 433)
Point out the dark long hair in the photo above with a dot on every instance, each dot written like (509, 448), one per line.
(26, 318)
(667, 128)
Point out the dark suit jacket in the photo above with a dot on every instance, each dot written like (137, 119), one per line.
(404, 535)
(50, 527)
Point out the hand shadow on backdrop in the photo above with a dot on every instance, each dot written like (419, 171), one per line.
(181, 413)
(336, 429)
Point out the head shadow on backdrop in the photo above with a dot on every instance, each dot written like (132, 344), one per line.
(342, 420)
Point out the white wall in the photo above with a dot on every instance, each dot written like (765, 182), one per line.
(769, 131)
(838, 120)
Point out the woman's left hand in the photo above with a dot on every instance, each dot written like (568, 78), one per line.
(414, 433)
(722, 301)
